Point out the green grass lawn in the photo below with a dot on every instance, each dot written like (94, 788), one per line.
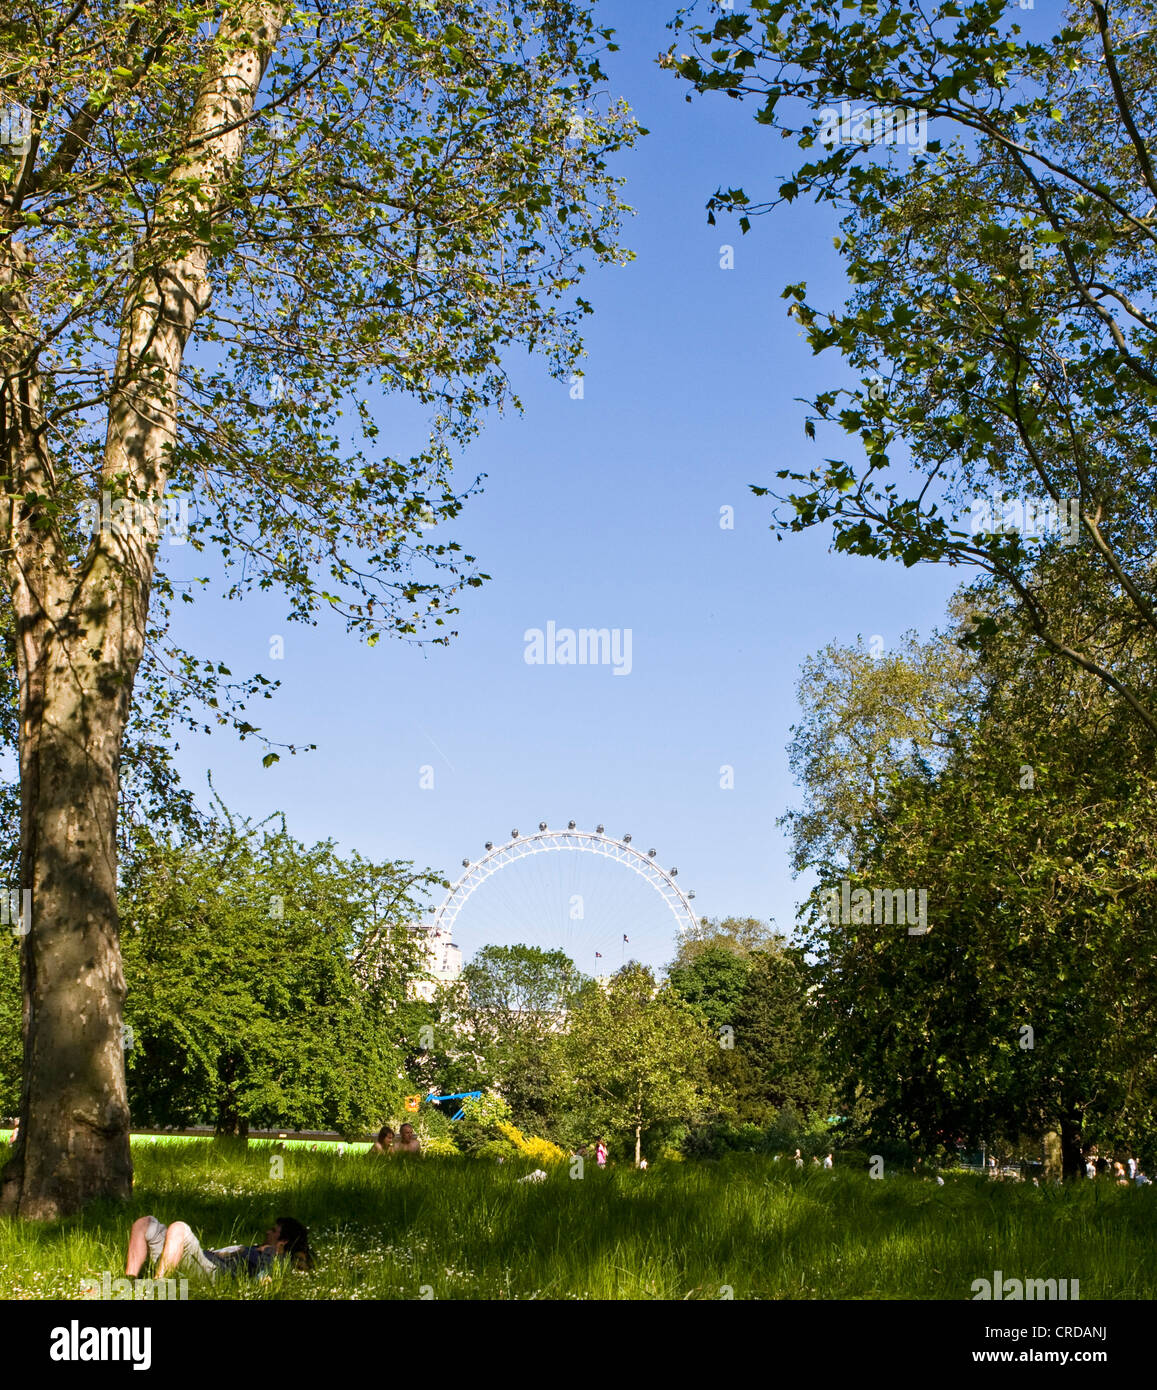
(744, 1227)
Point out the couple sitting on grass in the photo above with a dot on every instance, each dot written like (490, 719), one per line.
(176, 1245)
(405, 1142)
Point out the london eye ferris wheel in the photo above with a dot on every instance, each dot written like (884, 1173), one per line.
(600, 898)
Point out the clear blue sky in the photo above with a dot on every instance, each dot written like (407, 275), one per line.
(605, 512)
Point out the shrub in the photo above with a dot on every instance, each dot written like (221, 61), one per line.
(540, 1150)
(477, 1125)
(487, 1110)
(494, 1149)
(486, 1131)
(790, 1130)
(441, 1146)
(433, 1123)
(713, 1141)
(856, 1160)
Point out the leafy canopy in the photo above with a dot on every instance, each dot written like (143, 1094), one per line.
(413, 189)
(1000, 335)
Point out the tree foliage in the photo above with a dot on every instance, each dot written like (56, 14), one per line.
(1001, 322)
(712, 983)
(777, 1059)
(639, 1055)
(269, 983)
(737, 935)
(503, 1021)
(1029, 1003)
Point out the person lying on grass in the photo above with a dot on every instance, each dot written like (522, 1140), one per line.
(174, 1245)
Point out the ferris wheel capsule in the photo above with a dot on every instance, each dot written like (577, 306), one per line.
(570, 825)
(626, 839)
(542, 825)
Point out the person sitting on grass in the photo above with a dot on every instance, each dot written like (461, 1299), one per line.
(384, 1143)
(175, 1245)
(407, 1142)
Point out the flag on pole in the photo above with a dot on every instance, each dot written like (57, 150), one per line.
(598, 955)
(627, 939)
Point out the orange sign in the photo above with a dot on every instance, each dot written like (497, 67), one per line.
(412, 1102)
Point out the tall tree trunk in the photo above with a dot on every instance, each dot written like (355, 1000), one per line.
(230, 1122)
(1072, 1159)
(74, 697)
(231, 1125)
(80, 633)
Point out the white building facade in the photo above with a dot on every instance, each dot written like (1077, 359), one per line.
(443, 963)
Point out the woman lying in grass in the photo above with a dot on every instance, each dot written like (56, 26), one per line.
(175, 1245)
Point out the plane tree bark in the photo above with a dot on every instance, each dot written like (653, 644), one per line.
(80, 634)
(197, 273)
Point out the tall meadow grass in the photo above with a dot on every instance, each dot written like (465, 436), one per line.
(742, 1227)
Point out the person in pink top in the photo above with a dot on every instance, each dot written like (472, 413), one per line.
(600, 1153)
